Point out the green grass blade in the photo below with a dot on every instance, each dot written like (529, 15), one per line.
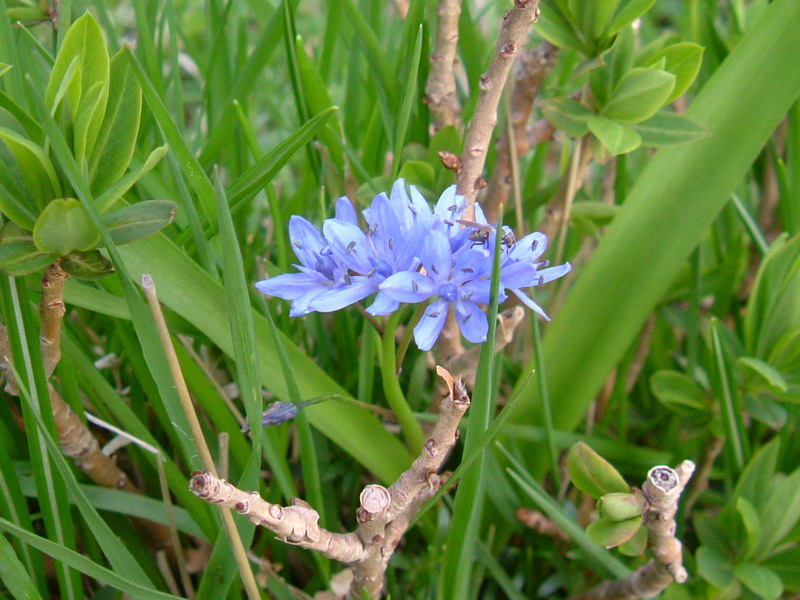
(85, 565)
(731, 421)
(13, 574)
(612, 565)
(497, 572)
(24, 344)
(118, 555)
(409, 97)
(469, 498)
(665, 216)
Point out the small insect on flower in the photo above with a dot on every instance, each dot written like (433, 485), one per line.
(481, 232)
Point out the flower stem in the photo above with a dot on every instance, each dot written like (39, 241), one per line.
(391, 387)
(401, 349)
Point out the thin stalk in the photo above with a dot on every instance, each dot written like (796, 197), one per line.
(407, 334)
(572, 189)
(391, 387)
(197, 433)
(750, 224)
(545, 396)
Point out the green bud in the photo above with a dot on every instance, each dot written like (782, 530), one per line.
(620, 507)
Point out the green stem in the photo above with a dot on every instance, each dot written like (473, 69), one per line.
(401, 349)
(545, 396)
(391, 387)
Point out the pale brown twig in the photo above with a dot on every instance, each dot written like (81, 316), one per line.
(383, 515)
(662, 491)
(699, 484)
(440, 89)
(531, 70)
(541, 523)
(511, 39)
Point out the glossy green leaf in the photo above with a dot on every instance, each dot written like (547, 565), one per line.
(774, 306)
(762, 581)
(758, 474)
(419, 173)
(555, 29)
(666, 128)
(617, 138)
(639, 95)
(682, 60)
(87, 265)
(117, 137)
(22, 258)
(714, 567)
(119, 187)
(35, 166)
(64, 227)
(636, 545)
(751, 522)
(677, 391)
(592, 16)
(84, 41)
(568, 115)
(139, 220)
(610, 534)
(11, 232)
(16, 201)
(87, 124)
(779, 514)
(627, 12)
(592, 474)
(763, 372)
(785, 353)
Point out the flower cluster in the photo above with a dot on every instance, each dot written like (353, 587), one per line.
(410, 254)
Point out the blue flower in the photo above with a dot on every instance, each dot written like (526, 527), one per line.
(458, 283)
(410, 253)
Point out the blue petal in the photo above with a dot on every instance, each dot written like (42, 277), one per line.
(531, 304)
(519, 274)
(344, 294)
(436, 257)
(349, 244)
(430, 325)
(302, 305)
(399, 201)
(407, 286)
(345, 211)
(307, 241)
(419, 208)
(450, 205)
(472, 264)
(472, 321)
(382, 305)
(530, 248)
(478, 291)
(290, 286)
(408, 255)
(554, 273)
(480, 216)
(385, 229)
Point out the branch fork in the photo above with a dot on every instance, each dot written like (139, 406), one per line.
(383, 514)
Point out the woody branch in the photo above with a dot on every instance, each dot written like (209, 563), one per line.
(440, 89)
(383, 514)
(510, 41)
(662, 491)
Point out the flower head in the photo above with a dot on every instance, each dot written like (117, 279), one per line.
(410, 253)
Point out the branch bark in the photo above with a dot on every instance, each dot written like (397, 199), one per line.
(531, 70)
(383, 515)
(440, 89)
(513, 32)
(662, 490)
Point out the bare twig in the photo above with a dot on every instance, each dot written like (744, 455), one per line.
(541, 523)
(440, 89)
(383, 515)
(531, 70)
(511, 39)
(662, 490)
